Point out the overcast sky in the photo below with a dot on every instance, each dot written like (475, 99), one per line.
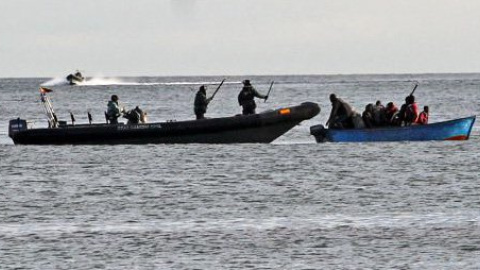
(48, 38)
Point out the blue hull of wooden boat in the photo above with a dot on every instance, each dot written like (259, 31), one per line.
(458, 129)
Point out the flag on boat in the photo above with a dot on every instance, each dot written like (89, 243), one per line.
(44, 90)
(43, 93)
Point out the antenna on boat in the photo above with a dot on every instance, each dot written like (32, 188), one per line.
(47, 104)
(89, 117)
(72, 117)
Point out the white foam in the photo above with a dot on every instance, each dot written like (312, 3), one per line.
(115, 81)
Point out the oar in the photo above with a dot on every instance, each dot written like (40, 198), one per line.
(218, 88)
(269, 90)
(414, 88)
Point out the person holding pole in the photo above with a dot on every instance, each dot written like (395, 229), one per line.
(246, 98)
(201, 101)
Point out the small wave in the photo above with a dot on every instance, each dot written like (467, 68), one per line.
(95, 82)
(102, 81)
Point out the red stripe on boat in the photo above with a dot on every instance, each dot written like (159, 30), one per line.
(457, 138)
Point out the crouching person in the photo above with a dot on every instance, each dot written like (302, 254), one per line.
(341, 115)
(136, 116)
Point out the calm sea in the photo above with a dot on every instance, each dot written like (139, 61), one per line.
(292, 204)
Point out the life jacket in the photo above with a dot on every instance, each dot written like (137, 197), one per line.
(423, 118)
(113, 109)
(390, 112)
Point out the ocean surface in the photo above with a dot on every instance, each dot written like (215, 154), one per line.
(292, 204)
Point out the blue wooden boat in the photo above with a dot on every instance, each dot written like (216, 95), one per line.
(458, 129)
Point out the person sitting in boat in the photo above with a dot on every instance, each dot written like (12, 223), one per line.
(135, 116)
(411, 113)
(379, 114)
(423, 116)
(341, 114)
(390, 112)
(368, 116)
(401, 117)
(246, 98)
(201, 102)
(113, 110)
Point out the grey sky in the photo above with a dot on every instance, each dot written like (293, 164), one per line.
(51, 38)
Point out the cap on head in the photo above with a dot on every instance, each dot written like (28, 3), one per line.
(246, 82)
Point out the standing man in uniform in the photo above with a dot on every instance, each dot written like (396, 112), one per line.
(201, 102)
(113, 110)
(246, 98)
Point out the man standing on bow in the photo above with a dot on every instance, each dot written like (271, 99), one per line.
(201, 102)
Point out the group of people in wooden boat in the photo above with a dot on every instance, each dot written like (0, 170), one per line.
(344, 116)
(246, 99)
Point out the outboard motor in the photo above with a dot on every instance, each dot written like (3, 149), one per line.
(320, 133)
(15, 126)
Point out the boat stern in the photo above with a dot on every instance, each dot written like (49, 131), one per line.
(15, 126)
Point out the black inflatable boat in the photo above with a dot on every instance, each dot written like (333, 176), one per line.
(258, 128)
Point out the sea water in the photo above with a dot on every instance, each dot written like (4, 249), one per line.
(292, 204)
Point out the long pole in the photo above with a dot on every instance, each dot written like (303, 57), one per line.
(269, 90)
(218, 88)
(414, 88)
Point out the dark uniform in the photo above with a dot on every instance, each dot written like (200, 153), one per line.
(246, 98)
(201, 102)
(113, 110)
